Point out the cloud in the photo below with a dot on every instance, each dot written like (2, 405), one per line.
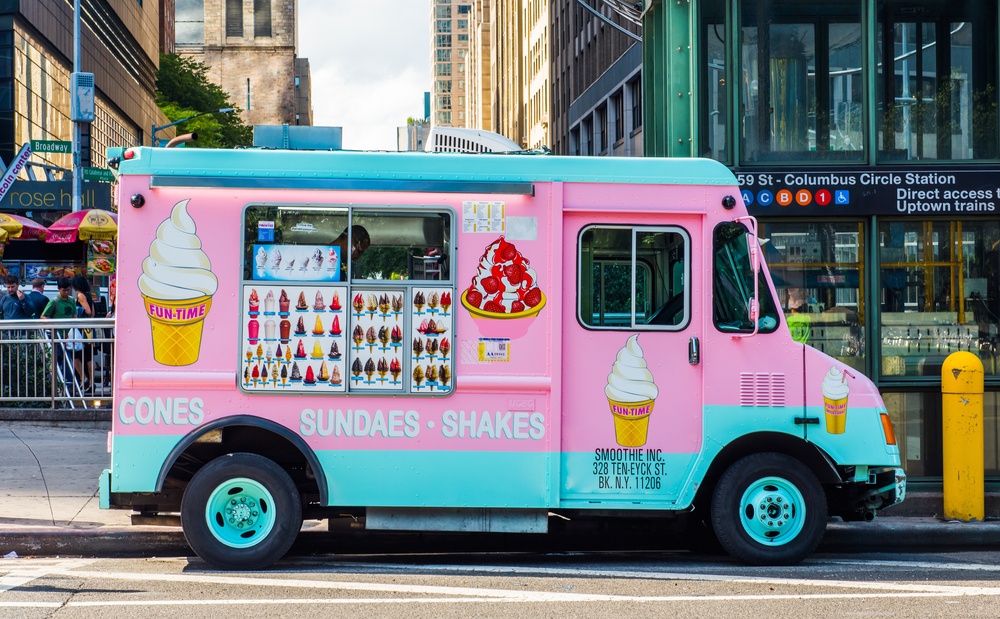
(370, 66)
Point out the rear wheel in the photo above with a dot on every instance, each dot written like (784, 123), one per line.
(241, 512)
(769, 509)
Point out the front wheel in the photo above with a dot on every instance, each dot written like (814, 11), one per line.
(241, 512)
(769, 509)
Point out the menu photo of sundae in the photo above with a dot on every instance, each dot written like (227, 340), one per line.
(505, 285)
(309, 263)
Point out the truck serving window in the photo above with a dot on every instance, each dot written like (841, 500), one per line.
(376, 243)
(340, 299)
(732, 283)
(634, 278)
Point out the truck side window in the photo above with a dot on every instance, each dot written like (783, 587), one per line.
(732, 283)
(634, 278)
(403, 245)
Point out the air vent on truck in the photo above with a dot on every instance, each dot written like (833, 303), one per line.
(460, 140)
(762, 389)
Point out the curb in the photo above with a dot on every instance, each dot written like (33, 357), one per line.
(93, 416)
(899, 533)
(884, 535)
(94, 542)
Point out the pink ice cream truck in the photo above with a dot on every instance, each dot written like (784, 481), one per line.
(446, 342)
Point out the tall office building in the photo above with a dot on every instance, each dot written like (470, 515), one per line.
(449, 47)
(535, 77)
(518, 51)
(596, 80)
(477, 108)
(119, 45)
(249, 47)
(303, 92)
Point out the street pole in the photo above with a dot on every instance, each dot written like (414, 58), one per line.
(156, 129)
(77, 125)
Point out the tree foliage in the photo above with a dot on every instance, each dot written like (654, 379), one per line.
(184, 90)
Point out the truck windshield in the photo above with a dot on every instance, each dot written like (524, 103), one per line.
(732, 283)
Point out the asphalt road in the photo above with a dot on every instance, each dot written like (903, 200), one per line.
(591, 584)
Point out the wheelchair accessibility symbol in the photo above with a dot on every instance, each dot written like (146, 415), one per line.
(842, 196)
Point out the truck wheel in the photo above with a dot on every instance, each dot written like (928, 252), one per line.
(241, 512)
(769, 509)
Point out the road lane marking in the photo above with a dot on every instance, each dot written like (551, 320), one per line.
(975, 567)
(878, 590)
(27, 572)
(654, 575)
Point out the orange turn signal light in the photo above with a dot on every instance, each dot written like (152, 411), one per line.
(890, 434)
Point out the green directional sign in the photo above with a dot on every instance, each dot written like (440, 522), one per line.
(51, 146)
(98, 174)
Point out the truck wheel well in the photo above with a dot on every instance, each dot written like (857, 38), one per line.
(808, 454)
(246, 435)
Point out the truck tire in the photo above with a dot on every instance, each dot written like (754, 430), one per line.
(241, 511)
(769, 509)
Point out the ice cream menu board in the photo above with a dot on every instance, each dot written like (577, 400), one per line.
(302, 339)
(309, 263)
(377, 339)
(433, 333)
(294, 338)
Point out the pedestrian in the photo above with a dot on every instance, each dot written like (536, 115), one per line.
(65, 307)
(37, 295)
(62, 306)
(84, 302)
(15, 305)
(85, 309)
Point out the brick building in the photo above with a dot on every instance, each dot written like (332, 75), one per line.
(249, 47)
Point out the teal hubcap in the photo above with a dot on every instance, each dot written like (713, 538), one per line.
(772, 511)
(240, 513)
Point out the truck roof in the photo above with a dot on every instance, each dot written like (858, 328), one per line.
(229, 167)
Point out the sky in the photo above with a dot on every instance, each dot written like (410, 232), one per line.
(370, 66)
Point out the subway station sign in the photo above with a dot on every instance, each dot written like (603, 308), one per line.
(906, 192)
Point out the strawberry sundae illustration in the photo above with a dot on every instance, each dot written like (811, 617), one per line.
(504, 286)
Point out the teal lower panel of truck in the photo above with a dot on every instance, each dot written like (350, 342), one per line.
(619, 477)
(438, 478)
(380, 478)
(142, 457)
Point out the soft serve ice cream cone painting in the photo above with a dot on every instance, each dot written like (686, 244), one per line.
(631, 393)
(835, 394)
(177, 285)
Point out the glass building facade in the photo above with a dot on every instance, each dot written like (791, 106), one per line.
(39, 105)
(864, 136)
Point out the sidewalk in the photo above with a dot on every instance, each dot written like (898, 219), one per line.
(49, 506)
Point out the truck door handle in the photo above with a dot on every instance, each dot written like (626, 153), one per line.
(694, 351)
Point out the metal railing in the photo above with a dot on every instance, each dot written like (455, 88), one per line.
(65, 363)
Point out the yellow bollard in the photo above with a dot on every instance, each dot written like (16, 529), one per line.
(962, 431)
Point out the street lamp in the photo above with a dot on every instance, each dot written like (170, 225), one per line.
(157, 129)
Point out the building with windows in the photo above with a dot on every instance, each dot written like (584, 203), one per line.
(596, 76)
(478, 111)
(450, 27)
(864, 134)
(119, 45)
(303, 92)
(249, 47)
